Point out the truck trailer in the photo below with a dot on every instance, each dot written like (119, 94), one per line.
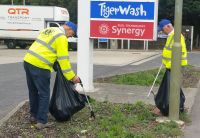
(20, 24)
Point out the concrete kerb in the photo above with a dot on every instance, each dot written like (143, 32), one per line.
(11, 113)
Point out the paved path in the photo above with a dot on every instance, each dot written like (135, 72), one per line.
(130, 94)
(193, 130)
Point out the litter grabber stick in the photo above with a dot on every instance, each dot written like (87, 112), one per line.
(92, 115)
(151, 90)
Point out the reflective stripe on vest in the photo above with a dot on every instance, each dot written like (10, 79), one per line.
(54, 38)
(40, 57)
(67, 70)
(168, 47)
(48, 45)
(167, 53)
(63, 57)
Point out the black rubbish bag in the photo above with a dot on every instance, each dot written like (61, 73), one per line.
(162, 96)
(65, 100)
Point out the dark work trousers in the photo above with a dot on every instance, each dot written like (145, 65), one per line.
(38, 81)
(162, 96)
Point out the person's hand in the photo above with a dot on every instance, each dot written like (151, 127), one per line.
(76, 79)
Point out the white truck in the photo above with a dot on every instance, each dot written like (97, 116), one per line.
(20, 24)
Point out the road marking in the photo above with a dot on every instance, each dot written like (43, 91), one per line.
(145, 59)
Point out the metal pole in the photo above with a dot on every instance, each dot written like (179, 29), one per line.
(192, 31)
(107, 44)
(128, 44)
(98, 46)
(147, 45)
(122, 44)
(12, 2)
(175, 76)
(24, 2)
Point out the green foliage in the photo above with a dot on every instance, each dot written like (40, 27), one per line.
(112, 121)
(191, 76)
(134, 121)
(191, 10)
(144, 78)
(39, 136)
(184, 116)
(170, 128)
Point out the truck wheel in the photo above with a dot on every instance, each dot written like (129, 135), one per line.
(22, 46)
(11, 45)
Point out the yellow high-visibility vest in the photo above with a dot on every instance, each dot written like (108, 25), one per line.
(167, 51)
(49, 46)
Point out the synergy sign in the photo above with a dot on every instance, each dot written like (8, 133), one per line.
(130, 19)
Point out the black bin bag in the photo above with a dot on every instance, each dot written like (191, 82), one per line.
(65, 100)
(162, 96)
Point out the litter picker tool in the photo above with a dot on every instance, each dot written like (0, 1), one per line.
(151, 90)
(92, 115)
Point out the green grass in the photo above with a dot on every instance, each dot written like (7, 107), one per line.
(146, 78)
(184, 116)
(170, 128)
(112, 121)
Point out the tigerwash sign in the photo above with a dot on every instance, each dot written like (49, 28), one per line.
(124, 19)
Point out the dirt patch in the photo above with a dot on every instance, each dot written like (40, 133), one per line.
(112, 120)
(191, 77)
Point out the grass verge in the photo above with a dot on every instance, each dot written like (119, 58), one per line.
(112, 121)
(145, 78)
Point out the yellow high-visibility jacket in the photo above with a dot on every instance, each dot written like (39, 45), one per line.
(167, 51)
(49, 46)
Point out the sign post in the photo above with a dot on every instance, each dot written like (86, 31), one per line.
(85, 46)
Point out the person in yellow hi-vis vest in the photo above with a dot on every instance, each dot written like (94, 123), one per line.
(51, 45)
(166, 26)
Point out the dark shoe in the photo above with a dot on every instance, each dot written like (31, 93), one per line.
(41, 125)
(32, 120)
(157, 112)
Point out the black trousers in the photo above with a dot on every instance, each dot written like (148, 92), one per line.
(162, 96)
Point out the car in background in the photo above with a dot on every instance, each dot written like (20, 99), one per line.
(72, 43)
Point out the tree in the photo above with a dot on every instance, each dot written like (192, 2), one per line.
(191, 12)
